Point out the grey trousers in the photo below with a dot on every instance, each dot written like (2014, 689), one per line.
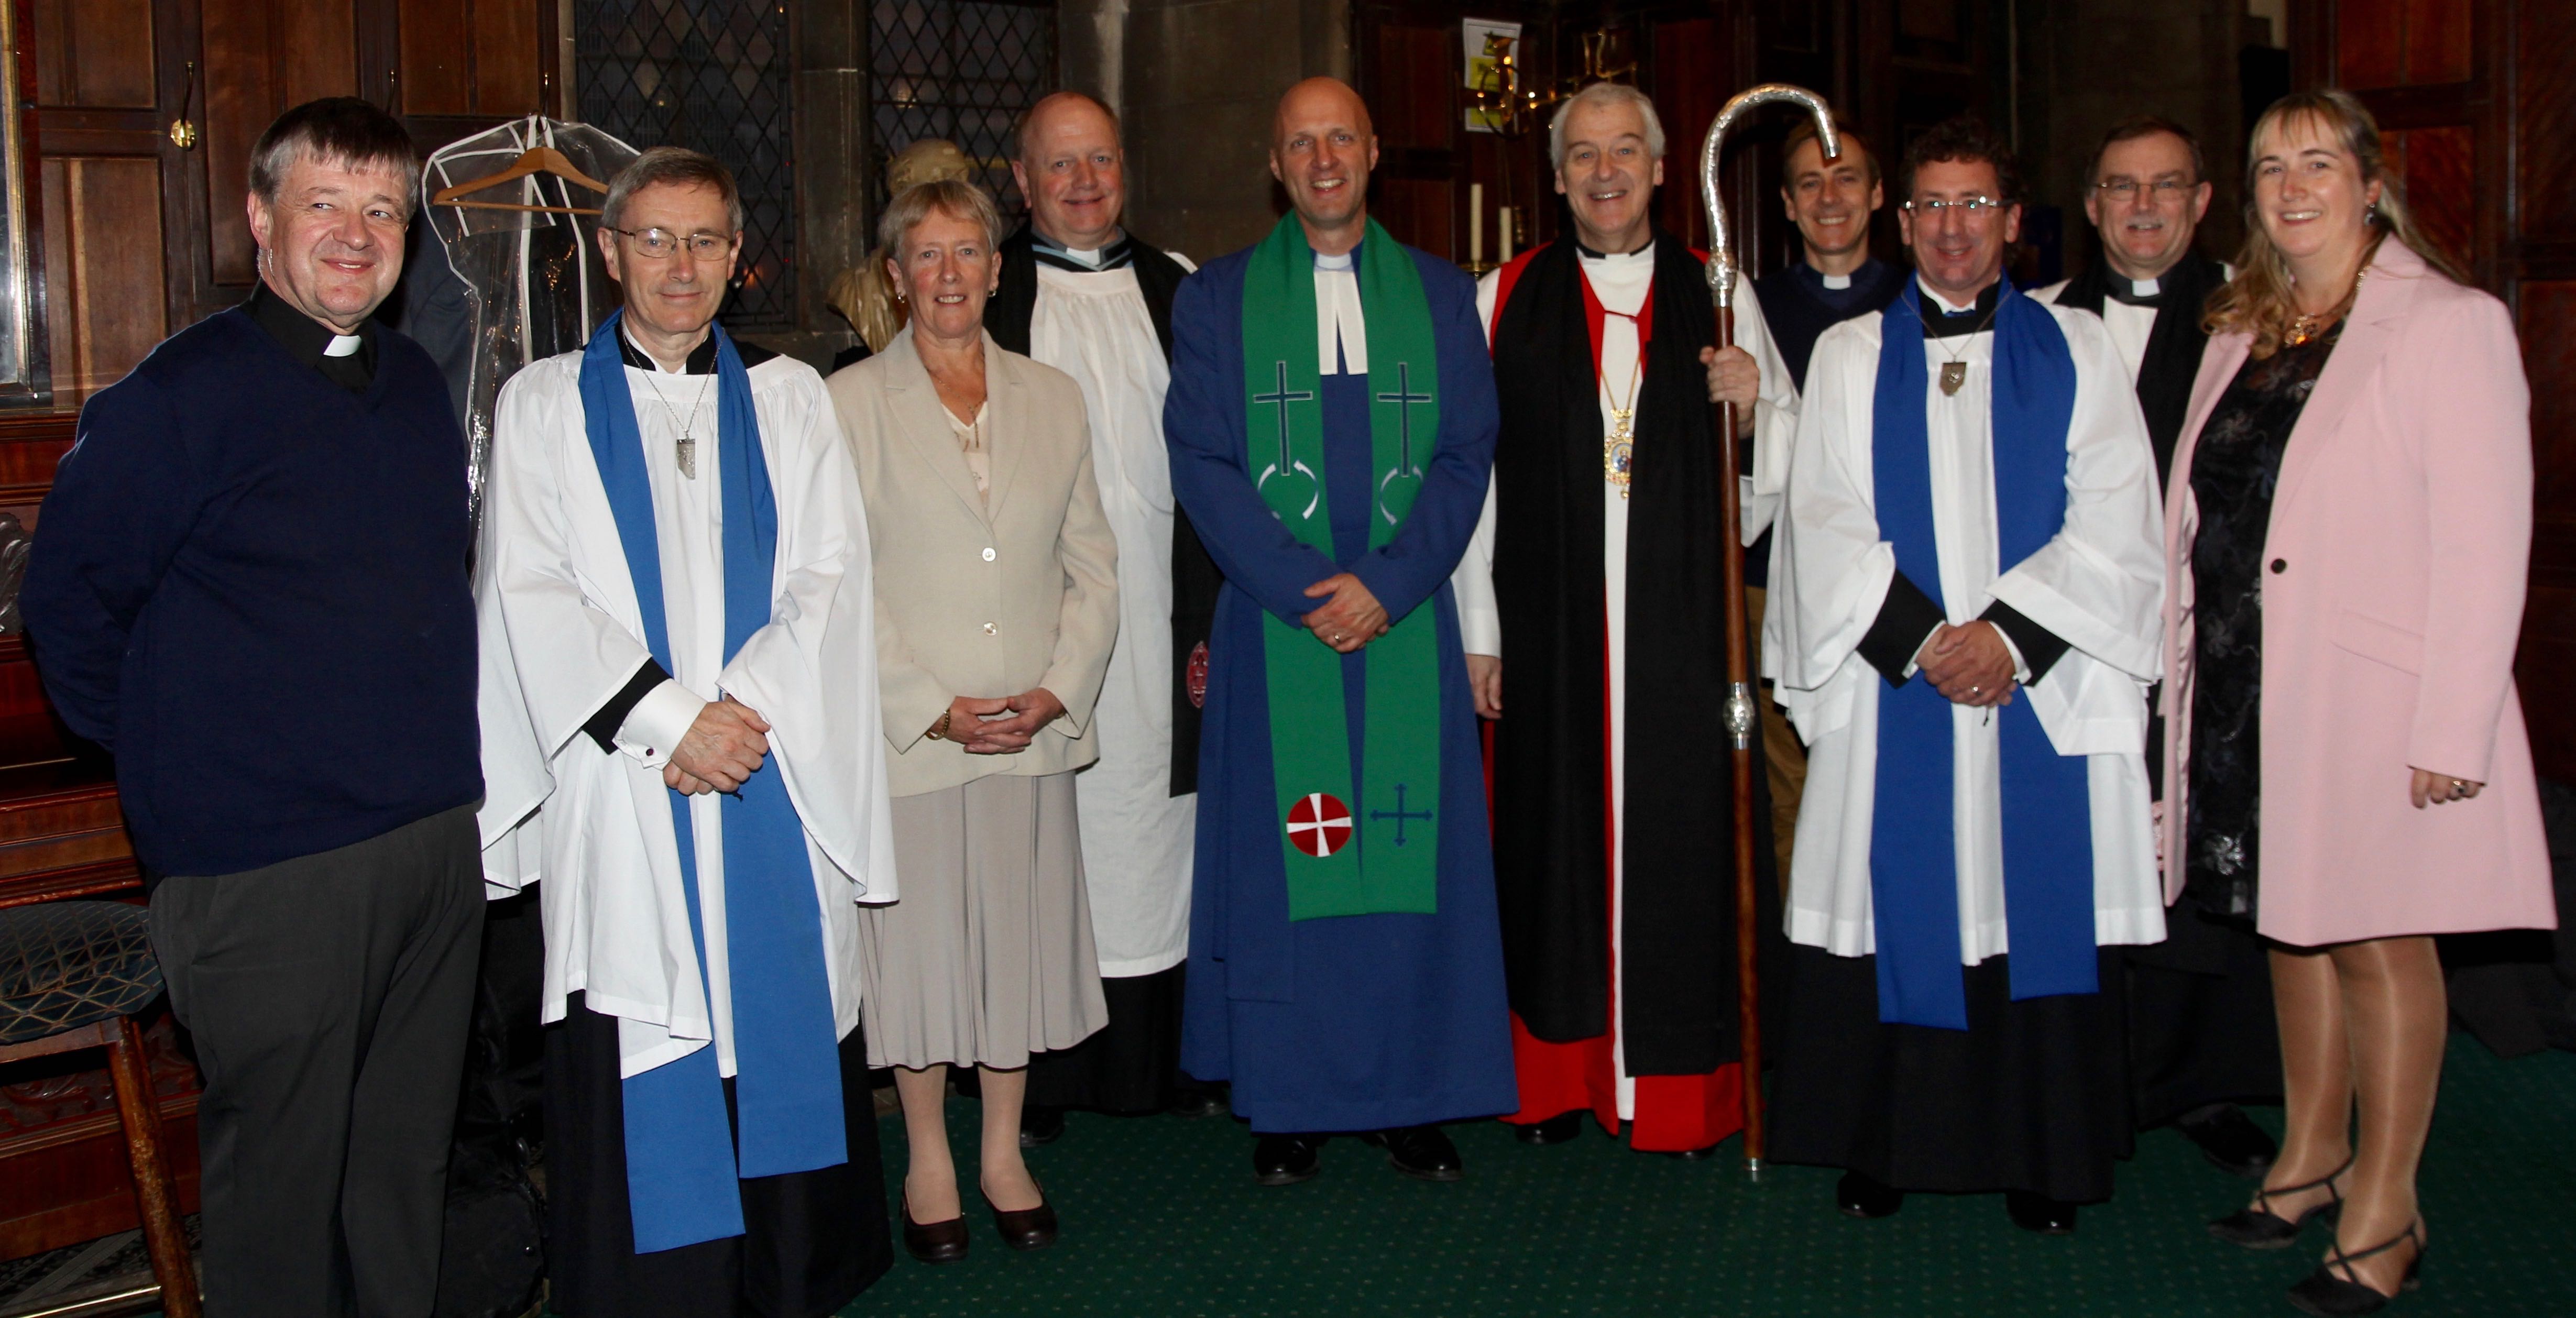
(328, 996)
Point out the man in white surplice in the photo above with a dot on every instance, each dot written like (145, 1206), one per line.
(2022, 1091)
(588, 733)
(1082, 294)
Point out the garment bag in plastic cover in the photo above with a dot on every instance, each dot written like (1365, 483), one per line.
(535, 278)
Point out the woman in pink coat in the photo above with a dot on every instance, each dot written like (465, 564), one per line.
(2347, 532)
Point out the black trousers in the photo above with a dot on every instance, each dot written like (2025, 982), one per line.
(327, 996)
(811, 1240)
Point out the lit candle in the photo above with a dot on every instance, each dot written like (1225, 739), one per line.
(1503, 227)
(1475, 224)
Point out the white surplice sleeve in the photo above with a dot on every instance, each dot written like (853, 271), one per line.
(811, 672)
(1827, 549)
(1480, 619)
(2099, 583)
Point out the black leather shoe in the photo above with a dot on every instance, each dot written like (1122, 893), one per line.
(1040, 1125)
(1025, 1228)
(1563, 1128)
(1695, 1155)
(1286, 1159)
(933, 1242)
(2038, 1212)
(1859, 1195)
(2230, 1140)
(1195, 1102)
(1421, 1152)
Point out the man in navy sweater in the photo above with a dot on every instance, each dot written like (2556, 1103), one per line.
(252, 587)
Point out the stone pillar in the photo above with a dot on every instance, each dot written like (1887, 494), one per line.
(1195, 82)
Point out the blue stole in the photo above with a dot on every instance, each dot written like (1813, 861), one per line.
(2047, 810)
(681, 1166)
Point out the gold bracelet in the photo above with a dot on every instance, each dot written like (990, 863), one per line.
(939, 730)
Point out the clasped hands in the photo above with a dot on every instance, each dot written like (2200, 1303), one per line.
(1969, 664)
(1350, 618)
(973, 725)
(721, 750)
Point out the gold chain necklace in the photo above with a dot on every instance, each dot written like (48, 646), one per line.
(1619, 448)
(2306, 328)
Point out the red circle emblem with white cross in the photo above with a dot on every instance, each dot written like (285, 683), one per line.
(1198, 673)
(1319, 825)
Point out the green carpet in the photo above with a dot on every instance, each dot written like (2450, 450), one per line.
(1162, 1218)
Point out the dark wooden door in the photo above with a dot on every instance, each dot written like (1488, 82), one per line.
(2477, 102)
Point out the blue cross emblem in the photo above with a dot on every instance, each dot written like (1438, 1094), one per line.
(1399, 814)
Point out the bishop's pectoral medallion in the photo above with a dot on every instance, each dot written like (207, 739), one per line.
(1953, 374)
(1619, 450)
(688, 454)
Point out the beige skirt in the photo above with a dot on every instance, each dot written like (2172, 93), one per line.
(988, 956)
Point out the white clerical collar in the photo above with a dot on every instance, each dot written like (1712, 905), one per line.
(1087, 256)
(1341, 262)
(1954, 308)
(1836, 281)
(2143, 287)
(342, 345)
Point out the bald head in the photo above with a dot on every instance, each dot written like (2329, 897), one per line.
(1322, 149)
(1073, 171)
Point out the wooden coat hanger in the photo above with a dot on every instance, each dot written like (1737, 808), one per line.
(534, 160)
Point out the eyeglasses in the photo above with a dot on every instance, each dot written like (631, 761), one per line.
(2162, 190)
(659, 243)
(1972, 207)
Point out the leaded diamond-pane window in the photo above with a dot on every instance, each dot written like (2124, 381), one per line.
(961, 70)
(710, 75)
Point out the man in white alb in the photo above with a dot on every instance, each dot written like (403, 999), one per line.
(680, 737)
(1974, 538)
(1081, 294)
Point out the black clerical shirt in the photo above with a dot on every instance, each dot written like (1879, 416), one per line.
(311, 342)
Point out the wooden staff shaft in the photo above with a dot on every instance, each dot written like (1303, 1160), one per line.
(1739, 677)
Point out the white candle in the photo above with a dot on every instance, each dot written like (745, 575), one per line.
(1475, 224)
(1503, 222)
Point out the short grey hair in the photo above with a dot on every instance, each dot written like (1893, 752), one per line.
(1605, 94)
(958, 198)
(678, 166)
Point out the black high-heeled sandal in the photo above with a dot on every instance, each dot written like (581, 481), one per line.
(2258, 1227)
(2323, 1293)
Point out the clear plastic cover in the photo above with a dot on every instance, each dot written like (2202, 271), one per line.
(535, 278)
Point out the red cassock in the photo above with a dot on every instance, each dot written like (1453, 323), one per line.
(1664, 1113)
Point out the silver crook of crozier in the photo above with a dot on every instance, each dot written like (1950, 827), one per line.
(1721, 244)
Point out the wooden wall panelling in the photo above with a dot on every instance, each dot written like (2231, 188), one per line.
(470, 57)
(94, 53)
(103, 266)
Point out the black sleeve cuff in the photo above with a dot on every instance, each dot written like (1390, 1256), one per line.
(1905, 618)
(2040, 648)
(603, 725)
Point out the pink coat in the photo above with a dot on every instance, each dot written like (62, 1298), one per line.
(2392, 597)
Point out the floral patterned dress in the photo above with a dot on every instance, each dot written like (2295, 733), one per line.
(2234, 470)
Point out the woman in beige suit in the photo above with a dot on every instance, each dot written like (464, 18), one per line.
(996, 603)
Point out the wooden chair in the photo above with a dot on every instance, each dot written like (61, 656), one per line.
(73, 975)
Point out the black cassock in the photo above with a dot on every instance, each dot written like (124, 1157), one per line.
(1677, 964)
